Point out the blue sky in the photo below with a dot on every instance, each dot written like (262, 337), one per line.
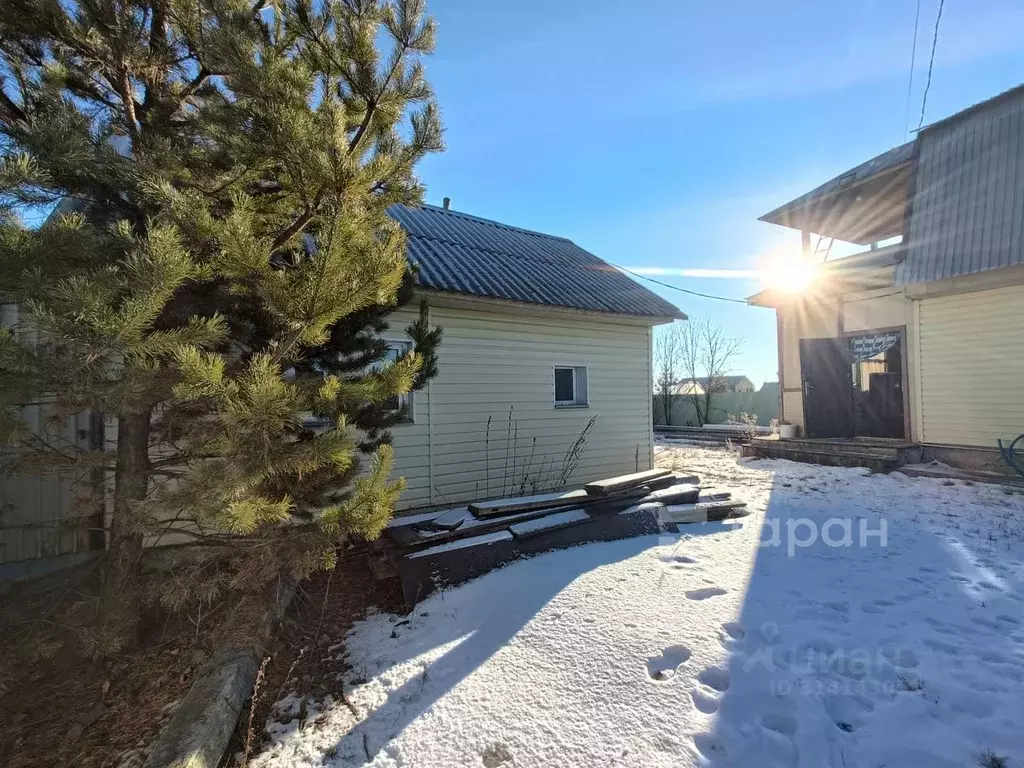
(655, 133)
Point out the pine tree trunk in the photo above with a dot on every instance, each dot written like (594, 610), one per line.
(131, 484)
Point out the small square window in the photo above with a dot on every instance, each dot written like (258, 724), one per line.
(571, 386)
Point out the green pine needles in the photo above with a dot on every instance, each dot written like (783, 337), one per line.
(214, 270)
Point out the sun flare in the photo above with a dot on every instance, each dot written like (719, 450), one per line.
(790, 273)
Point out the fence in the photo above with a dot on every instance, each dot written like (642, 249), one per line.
(764, 403)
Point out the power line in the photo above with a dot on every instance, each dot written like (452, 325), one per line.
(677, 288)
(910, 83)
(931, 63)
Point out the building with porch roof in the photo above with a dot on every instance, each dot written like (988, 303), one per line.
(920, 337)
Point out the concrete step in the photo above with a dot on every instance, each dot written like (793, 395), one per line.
(823, 454)
(907, 452)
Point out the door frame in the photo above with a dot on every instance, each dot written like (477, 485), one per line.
(904, 366)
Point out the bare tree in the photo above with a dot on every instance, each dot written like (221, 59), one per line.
(667, 368)
(706, 355)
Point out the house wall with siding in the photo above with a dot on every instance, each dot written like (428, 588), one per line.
(490, 361)
(49, 514)
(493, 363)
(886, 308)
(971, 367)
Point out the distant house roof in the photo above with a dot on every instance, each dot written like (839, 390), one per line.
(729, 381)
(465, 254)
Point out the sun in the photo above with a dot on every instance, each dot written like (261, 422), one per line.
(789, 272)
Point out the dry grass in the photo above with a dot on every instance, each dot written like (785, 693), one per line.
(301, 659)
(64, 709)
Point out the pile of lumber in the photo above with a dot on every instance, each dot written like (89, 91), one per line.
(452, 545)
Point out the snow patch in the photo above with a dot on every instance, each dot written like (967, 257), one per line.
(710, 647)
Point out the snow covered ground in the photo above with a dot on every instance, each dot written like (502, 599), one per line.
(734, 645)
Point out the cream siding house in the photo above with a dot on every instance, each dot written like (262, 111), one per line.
(921, 340)
(544, 380)
(544, 367)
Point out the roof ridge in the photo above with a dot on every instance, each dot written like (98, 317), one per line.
(493, 223)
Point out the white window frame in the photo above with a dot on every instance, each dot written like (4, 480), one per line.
(576, 402)
(408, 399)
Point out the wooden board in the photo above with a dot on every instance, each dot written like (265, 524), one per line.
(451, 519)
(473, 541)
(703, 511)
(604, 487)
(523, 503)
(414, 538)
(563, 519)
(400, 520)
(680, 493)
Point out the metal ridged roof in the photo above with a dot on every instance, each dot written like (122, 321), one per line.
(966, 216)
(890, 159)
(459, 253)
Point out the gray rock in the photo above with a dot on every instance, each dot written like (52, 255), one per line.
(201, 727)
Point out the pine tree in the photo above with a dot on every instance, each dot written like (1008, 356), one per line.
(217, 267)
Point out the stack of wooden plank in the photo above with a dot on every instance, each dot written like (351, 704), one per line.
(451, 546)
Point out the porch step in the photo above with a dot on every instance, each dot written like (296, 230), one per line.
(825, 454)
(907, 453)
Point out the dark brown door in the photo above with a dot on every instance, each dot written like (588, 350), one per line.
(827, 382)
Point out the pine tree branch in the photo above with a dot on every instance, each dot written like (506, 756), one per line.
(299, 223)
(195, 83)
(128, 101)
(157, 44)
(372, 104)
(14, 113)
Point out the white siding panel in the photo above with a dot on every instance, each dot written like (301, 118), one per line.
(494, 363)
(490, 362)
(972, 367)
(48, 514)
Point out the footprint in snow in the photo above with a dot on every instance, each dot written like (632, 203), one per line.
(678, 560)
(663, 667)
(901, 658)
(848, 712)
(993, 657)
(496, 755)
(970, 703)
(821, 612)
(704, 701)
(734, 630)
(709, 746)
(876, 606)
(704, 593)
(716, 678)
(780, 722)
(942, 647)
